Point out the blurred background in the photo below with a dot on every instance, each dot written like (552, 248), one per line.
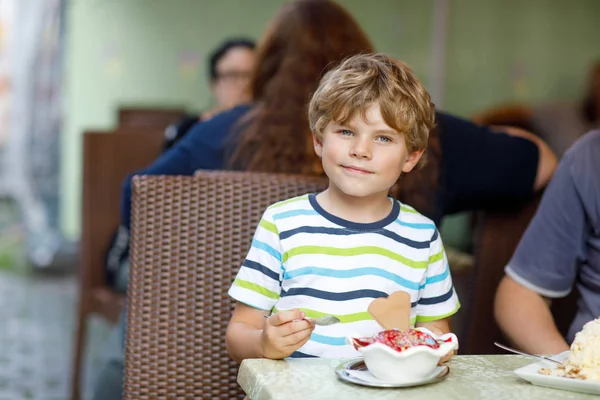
(71, 66)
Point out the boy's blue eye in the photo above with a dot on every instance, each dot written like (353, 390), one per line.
(346, 132)
(384, 139)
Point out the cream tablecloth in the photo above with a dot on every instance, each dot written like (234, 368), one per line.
(471, 377)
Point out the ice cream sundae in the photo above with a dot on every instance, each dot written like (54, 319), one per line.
(584, 356)
(399, 340)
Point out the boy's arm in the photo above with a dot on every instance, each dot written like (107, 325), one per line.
(258, 282)
(438, 327)
(547, 160)
(251, 335)
(244, 331)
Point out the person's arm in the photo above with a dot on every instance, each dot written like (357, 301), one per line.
(439, 327)
(525, 318)
(256, 288)
(201, 148)
(545, 262)
(176, 161)
(547, 160)
(251, 335)
(483, 168)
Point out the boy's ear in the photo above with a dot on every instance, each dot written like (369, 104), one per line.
(318, 143)
(412, 160)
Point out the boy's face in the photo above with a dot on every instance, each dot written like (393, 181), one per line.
(364, 157)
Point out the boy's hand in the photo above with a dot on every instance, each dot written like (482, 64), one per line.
(439, 327)
(284, 333)
(447, 357)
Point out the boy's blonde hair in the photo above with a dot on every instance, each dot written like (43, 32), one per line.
(365, 79)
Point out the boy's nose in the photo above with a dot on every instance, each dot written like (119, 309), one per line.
(361, 149)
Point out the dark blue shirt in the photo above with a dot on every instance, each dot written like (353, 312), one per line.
(480, 168)
(203, 147)
(561, 247)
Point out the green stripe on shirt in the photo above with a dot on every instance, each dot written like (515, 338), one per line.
(408, 209)
(256, 288)
(344, 318)
(268, 226)
(288, 201)
(353, 251)
(427, 318)
(436, 257)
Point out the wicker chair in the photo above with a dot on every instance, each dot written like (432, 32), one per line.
(189, 237)
(108, 157)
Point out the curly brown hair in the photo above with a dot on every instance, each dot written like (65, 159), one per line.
(305, 40)
(365, 79)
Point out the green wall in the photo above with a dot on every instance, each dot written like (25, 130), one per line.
(506, 50)
(152, 52)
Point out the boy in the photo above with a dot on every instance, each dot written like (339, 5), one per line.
(334, 252)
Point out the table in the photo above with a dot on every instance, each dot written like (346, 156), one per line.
(471, 377)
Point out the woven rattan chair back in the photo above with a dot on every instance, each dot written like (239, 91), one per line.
(189, 237)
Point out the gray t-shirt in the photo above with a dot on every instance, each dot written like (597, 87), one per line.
(561, 246)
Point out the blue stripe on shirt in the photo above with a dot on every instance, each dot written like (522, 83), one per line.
(261, 268)
(415, 225)
(347, 232)
(265, 247)
(321, 294)
(293, 213)
(438, 299)
(353, 273)
(298, 354)
(439, 277)
(330, 340)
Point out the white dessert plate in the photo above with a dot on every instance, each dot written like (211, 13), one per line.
(356, 372)
(532, 374)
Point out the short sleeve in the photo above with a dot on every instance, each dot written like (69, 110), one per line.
(437, 297)
(258, 282)
(546, 258)
(483, 168)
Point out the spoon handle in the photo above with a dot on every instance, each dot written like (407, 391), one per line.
(525, 354)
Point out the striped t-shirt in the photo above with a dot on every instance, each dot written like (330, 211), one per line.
(304, 257)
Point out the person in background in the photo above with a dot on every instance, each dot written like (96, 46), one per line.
(559, 251)
(469, 167)
(229, 66)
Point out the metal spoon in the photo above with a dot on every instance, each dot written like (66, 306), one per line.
(323, 321)
(526, 354)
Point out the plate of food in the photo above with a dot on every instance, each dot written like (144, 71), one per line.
(580, 368)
